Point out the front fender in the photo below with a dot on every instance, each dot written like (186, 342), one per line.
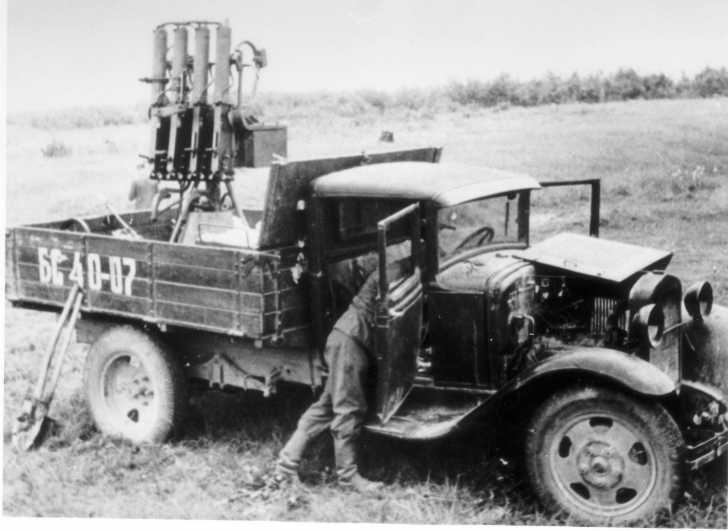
(627, 370)
(705, 349)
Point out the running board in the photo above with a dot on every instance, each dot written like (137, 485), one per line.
(429, 413)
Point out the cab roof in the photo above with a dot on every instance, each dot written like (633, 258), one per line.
(445, 184)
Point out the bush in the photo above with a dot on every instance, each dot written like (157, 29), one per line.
(56, 149)
(625, 85)
(711, 82)
(658, 86)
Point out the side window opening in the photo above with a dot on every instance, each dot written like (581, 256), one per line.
(354, 220)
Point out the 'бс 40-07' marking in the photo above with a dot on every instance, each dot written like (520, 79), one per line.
(120, 275)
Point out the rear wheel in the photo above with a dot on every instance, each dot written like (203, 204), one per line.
(136, 390)
(603, 456)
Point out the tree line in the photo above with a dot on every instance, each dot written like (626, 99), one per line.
(625, 84)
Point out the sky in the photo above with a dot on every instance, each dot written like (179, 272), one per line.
(92, 52)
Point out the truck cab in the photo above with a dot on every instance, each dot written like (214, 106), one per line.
(573, 334)
(438, 209)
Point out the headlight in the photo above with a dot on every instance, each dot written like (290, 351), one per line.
(649, 323)
(699, 300)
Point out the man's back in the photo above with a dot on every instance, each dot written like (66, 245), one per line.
(142, 193)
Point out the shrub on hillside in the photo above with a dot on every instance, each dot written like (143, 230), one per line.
(378, 99)
(55, 149)
(711, 82)
(658, 86)
(625, 85)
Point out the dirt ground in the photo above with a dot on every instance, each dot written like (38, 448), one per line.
(664, 170)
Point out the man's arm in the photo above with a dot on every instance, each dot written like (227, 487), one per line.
(133, 191)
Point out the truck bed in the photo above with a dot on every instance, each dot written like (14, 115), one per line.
(239, 292)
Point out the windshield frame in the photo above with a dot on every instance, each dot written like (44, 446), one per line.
(522, 202)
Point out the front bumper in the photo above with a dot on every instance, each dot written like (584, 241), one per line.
(703, 414)
(706, 451)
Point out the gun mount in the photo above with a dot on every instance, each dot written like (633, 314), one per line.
(202, 122)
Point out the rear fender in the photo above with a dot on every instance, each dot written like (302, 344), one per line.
(626, 370)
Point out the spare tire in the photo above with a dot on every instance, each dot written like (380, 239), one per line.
(136, 389)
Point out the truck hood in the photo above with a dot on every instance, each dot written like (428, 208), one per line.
(595, 257)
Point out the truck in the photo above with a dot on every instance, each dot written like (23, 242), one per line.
(616, 371)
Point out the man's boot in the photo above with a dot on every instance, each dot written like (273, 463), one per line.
(284, 477)
(361, 484)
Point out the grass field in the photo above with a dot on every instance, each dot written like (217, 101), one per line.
(664, 166)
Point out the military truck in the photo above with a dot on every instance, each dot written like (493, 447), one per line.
(617, 371)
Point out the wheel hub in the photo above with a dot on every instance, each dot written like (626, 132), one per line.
(600, 465)
(603, 464)
(129, 389)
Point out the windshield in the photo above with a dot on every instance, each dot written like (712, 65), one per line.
(477, 223)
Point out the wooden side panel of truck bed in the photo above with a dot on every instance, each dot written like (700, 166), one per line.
(237, 292)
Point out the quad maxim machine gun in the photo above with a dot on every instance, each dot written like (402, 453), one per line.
(199, 131)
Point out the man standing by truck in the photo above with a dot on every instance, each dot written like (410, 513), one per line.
(342, 405)
(143, 190)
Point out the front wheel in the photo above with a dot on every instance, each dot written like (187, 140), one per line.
(604, 457)
(135, 388)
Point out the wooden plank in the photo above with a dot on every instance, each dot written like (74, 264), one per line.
(251, 280)
(27, 272)
(44, 292)
(251, 302)
(252, 324)
(10, 265)
(29, 256)
(109, 246)
(196, 276)
(139, 306)
(186, 255)
(139, 288)
(220, 319)
(196, 295)
(66, 241)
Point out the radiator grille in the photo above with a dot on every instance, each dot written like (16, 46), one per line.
(601, 309)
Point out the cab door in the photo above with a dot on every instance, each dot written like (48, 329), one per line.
(398, 309)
